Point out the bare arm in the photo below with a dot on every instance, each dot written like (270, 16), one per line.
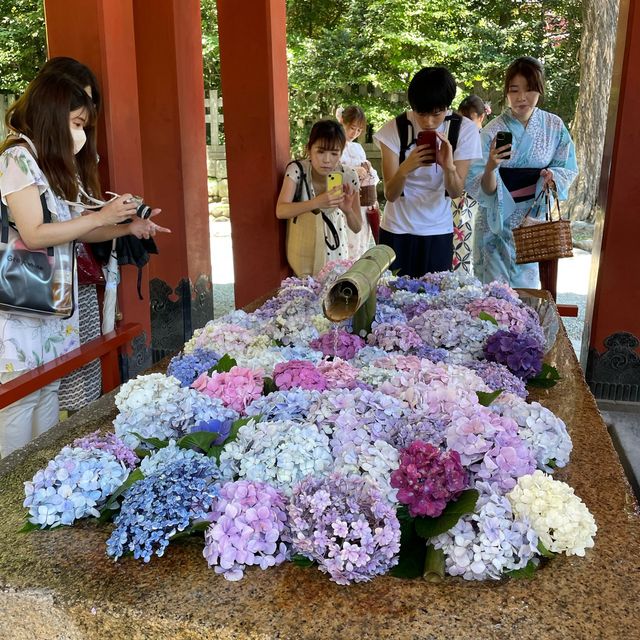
(395, 174)
(350, 206)
(26, 210)
(286, 208)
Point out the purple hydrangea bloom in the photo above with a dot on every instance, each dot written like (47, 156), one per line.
(497, 376)
(248, 527)
(186, 367)
(112, 444)
(519, 352)
(346, 526)
(489, 446)
(434, 354)
(338, 344)
(394, 337)
(427, 479)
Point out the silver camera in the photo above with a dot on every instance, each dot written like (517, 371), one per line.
(143, 210)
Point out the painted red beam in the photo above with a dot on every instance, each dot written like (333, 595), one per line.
(105, 347)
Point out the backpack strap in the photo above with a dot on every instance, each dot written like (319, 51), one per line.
(406, 140)
(454, 120)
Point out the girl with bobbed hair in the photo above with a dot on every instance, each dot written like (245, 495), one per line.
(317, 219)
(509, 177)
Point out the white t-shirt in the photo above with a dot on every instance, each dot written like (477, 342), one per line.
(424, 210)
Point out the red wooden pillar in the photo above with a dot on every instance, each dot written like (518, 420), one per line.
(612, 329)
(256, 117)
(147, 55)
(171, 95)
(100, 33)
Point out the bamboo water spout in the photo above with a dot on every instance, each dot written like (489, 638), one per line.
(356, 288)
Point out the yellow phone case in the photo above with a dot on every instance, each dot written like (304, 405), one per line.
(334, 179)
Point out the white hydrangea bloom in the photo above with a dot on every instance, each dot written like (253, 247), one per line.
(561, 520)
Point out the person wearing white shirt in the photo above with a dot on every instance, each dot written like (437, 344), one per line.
(417, 222)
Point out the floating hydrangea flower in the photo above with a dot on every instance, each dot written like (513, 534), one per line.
(156, 508)
(237, 388)
(339, 374)
(298, 373)
(455, 330)
(509, 315)
(74, 485)
(490, 448)
(415, 285)
(158, 461)
(561, 520)
(221, 337)
(358, 453)
(156, 406)
(186, 367)
(427, 479)
(338, 344)
(542, 430)
(346, 526)
(520, 353)
(497, 376)
(110, 443)
(395, 337)
(375, 412)
(279, 453)
(500, 290)
(248, 527)
(293, 405)
(332, 270)
(488, 543)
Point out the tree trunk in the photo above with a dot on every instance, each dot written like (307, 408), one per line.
(600, 20)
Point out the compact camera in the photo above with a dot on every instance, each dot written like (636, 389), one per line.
(143, 210)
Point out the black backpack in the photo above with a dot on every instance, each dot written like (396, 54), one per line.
(409, 140)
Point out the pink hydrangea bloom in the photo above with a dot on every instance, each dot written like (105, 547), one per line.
(339, 374)
(298, 373)
(427, 479)
(237, 388)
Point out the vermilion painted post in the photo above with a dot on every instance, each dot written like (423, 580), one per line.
(256, 116)
(100, 33)
(614, 299)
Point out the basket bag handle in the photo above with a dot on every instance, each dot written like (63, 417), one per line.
(550, 189)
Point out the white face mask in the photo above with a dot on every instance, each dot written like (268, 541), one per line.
(79, 139)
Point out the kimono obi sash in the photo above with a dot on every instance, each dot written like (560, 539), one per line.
(520, 182)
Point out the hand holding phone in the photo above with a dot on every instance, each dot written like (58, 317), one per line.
(429, 138)
(504, 138)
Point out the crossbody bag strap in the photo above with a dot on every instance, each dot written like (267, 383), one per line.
(5, 224)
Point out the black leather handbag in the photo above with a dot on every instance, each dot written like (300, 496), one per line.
(35, 283)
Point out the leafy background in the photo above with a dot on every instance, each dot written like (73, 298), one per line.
(365, 51)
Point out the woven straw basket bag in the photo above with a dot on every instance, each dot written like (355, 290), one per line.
(546, 240)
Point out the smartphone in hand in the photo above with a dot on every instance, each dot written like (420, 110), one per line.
(428, 137)
(334, 180)
(504, 138)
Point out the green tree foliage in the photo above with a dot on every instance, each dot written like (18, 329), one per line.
(365, 51)
(22, 43)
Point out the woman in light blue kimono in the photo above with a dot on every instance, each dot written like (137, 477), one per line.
(508, 177)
